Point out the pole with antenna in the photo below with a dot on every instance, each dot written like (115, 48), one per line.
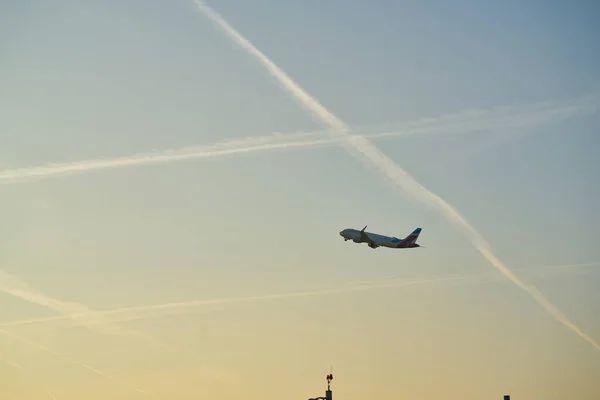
(328, 394)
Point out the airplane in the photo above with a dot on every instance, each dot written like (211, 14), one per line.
(374, 240)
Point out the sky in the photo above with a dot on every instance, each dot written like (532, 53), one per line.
(141, 177)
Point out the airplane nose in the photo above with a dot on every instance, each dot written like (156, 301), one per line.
(341, 233)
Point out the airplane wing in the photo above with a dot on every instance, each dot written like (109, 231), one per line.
(367, 239)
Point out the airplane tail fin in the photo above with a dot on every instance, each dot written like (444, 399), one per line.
(412, 238)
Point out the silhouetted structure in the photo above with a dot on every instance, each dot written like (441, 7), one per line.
(507, 397)
(328, 394)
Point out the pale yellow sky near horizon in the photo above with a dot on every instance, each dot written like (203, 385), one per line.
(223, 276)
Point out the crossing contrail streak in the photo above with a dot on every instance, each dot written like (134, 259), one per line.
(467, 121)
(231, 300)
(134, 312)
(14, 286)
(362, 287)
(365, 151)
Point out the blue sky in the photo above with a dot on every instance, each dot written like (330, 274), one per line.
(87, 80)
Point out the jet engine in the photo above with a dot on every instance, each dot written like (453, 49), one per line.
(357, 240)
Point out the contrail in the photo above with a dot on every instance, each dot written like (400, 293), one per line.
(504, 117)
(184, 308)
(14, 286)
(79, 313)
(360, 286)
(70, 360)
(19, 367)
(373, 157)
(196, 303)
(138, 317)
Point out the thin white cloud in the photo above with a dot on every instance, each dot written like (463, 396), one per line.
(372, 157)
(464, 122)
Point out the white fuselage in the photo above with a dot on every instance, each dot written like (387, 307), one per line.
(379, 240)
